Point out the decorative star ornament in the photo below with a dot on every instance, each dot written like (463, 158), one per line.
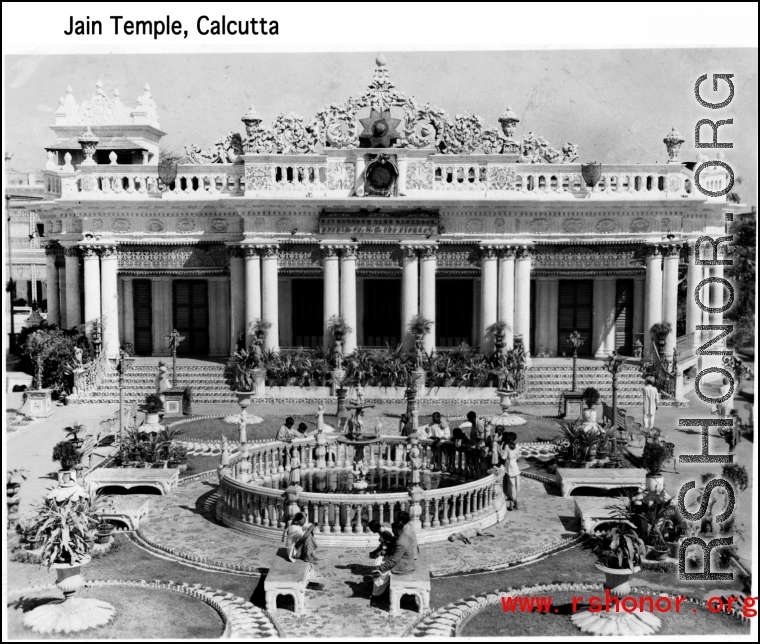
(379, 129)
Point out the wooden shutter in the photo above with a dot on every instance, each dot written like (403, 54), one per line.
(624, 316)
(142, 305)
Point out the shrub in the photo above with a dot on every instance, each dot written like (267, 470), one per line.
(653, 457)
(153, 404)
(591, 397)
(67, 455)
(47, 352)
(737, 474)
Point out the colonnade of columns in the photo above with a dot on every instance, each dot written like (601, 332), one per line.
(339, 291)
(505, 294)
(662, 263)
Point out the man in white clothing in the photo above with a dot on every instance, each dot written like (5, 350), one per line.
(649, 401)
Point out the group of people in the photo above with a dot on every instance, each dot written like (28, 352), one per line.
(396, 553)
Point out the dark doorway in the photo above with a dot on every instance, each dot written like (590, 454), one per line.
(453, 312)
(191, 316)
(576, 313)
(307, 308)
(624, 317)
(142, 304)
(382, 312)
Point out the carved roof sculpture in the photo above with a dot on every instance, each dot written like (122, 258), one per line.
(338, 126)
(104, 110)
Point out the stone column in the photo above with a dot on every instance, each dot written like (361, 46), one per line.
(409, 294)
(653, 295)
(73, 296)
(252, 290)
(610, 293)
(53, 295)
(237, 296)
(428, 266)
(693, 278)
(359, 165)
(91, 286)
(604, 317)
(109, 300)
(269, 300)
(522, 297)
(127, 306)
(489, 295)
(330, 291)
(638, 309)
(671, 254)
(507, 293)
(348, 295)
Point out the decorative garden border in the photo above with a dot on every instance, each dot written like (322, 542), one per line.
(241, 618)
(448, 620)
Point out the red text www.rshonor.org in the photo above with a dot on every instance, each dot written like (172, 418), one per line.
(628, 604)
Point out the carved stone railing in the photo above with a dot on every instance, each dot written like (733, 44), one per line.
(685, 345)
(665, 375)
(89, 379)
(423, 173)
(247, 504)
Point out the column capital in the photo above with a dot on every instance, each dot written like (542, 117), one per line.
(89, 252)
(250, 250)
(507, 252)
(71, 251)
(523, 252)
(52, 249)
(671, 249)
(235, 251)
(329, 250)
(108, 252)
(409, 251)
(349, 250)
(489, 251)
(428, 251)
(269, 250)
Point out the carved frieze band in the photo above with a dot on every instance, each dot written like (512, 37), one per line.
(173, 257)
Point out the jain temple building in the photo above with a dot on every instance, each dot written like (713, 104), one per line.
(377, 208)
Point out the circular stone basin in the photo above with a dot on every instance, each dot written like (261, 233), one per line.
(141, 613)
(342, 480)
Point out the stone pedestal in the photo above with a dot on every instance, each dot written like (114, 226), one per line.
(419, 380)
(259, 383)
(40, 403)
(337, 376)
(573, 404)
(173, 402)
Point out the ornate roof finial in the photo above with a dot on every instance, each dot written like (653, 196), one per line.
(69, 90)
(380, 60)
(673, 143)
(251, 115)
(508, 122)
(99, 88)
(116, 92)
(147, 87)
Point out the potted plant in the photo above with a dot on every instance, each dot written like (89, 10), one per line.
(103, 532)
(153, 406)
(261, 328)
(177, 455)
(420, 326)
(737, 474)
(620, 552)
(659, 332)
(338, 327)
(67, 454)
(654, 456)
(73, 434)
(591, 399)
(65, 521)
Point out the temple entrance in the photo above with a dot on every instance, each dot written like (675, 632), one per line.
(576, 313)
(382, 312)
(191, 316)
(624, 317)
(142, 305)
(453, 312)
(306, 312)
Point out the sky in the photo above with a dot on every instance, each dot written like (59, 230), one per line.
(617, 105)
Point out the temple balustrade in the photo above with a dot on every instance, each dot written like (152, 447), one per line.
(250, 501)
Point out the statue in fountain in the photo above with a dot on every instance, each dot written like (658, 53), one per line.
(355, 424)
(295, 468)
(415, 460)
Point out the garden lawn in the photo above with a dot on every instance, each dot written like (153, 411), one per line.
(140, 614)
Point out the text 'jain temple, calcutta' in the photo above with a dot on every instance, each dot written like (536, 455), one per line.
(376, 209)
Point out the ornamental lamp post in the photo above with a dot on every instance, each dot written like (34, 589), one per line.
(575, 341)
(613, 365)
(174, 341)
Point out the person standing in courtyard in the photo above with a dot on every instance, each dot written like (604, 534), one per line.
(509, 455)
(726, 407)
(649, 401)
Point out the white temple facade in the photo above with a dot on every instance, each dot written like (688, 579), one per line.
(376, 209)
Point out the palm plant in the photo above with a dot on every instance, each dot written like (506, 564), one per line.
(66, 523)
(420, 325)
